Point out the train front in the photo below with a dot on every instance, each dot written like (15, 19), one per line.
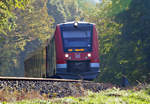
(77, 55)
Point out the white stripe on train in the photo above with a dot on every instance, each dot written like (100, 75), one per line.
(61, 65)
(93, 65)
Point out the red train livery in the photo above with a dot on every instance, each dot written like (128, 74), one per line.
(75, 52)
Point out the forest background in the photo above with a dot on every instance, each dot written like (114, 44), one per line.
(123, 28)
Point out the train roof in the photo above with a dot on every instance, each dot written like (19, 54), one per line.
(80, 22)
(34, 52)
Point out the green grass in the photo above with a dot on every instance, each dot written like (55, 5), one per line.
(110, 96)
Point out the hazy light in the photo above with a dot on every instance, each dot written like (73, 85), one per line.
(98, 1)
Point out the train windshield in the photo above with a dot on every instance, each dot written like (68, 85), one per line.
(77, 40)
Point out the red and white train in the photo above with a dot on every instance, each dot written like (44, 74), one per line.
(71, 53)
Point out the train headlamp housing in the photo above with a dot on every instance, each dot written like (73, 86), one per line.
(66, 55)
(89, 54)
(75, 24)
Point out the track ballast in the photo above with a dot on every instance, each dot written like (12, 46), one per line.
(49, 86)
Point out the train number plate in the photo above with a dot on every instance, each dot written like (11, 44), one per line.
(77, 55)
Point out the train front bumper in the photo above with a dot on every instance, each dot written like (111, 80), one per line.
(86, 76)
(62, 72)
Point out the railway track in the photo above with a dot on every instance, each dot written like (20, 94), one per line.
(41, 79)
(52, 87)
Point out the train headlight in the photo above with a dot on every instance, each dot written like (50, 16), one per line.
(89, 54)
(66, 55)
(76, 24)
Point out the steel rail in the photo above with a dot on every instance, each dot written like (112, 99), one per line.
(43, 79)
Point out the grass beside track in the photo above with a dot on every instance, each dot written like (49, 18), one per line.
(110, 96)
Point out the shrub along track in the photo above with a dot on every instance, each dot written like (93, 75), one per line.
(51, 87)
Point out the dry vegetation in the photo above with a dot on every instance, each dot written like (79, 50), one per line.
(137, 95)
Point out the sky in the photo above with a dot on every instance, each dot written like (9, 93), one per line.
(97, 1)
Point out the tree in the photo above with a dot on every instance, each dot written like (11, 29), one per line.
(6, 14)
(34, 26)
(135, 37)
(7, 23)
(63, 11)
(124, 34)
